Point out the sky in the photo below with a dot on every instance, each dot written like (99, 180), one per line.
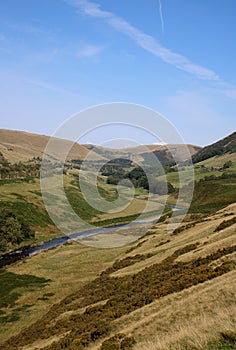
(177, 57)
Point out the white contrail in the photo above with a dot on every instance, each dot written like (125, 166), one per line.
(161, 16)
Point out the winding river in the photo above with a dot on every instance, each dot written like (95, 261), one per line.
(28, 251)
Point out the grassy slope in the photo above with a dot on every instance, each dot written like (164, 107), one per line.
(213, 195)
(54, 275)
(20, 146)
(209, 196)
(24, 198)
(223, 146)
(203, 169)
(193, 317)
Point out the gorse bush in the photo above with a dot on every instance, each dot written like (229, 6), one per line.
(224, 224)
(118, 342)
(130, 260)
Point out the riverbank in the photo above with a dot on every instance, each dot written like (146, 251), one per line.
(83, 237)
(28, 251)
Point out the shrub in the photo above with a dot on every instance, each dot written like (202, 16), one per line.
(118, 342)
(224, 224)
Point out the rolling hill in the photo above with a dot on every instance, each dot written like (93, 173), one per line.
(164, 153)
(21, 146)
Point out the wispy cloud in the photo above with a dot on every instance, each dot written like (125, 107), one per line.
(150, 44)
(89, 51)
(47, 86)
(230, 92)
(161, 16)
(90, 8)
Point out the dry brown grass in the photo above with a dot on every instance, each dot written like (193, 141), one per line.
(41, 344)
(116, 238)
(20, 145)
(202, 233)
(186, 320)
(199, 334)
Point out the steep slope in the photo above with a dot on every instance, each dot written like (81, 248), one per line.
(226, 145)
(165, 292)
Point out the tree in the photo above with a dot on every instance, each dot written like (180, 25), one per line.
(13, 229)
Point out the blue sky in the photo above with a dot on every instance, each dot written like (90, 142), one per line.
(177, 57)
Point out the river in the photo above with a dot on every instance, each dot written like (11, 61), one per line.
(28, 251)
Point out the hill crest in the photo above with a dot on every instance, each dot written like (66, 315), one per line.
(21, 146)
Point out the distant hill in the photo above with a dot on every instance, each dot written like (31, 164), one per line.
(18, 146)
(143, 153)
(170, 154)
(226, 145)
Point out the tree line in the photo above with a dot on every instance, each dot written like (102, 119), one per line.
(138, 178)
